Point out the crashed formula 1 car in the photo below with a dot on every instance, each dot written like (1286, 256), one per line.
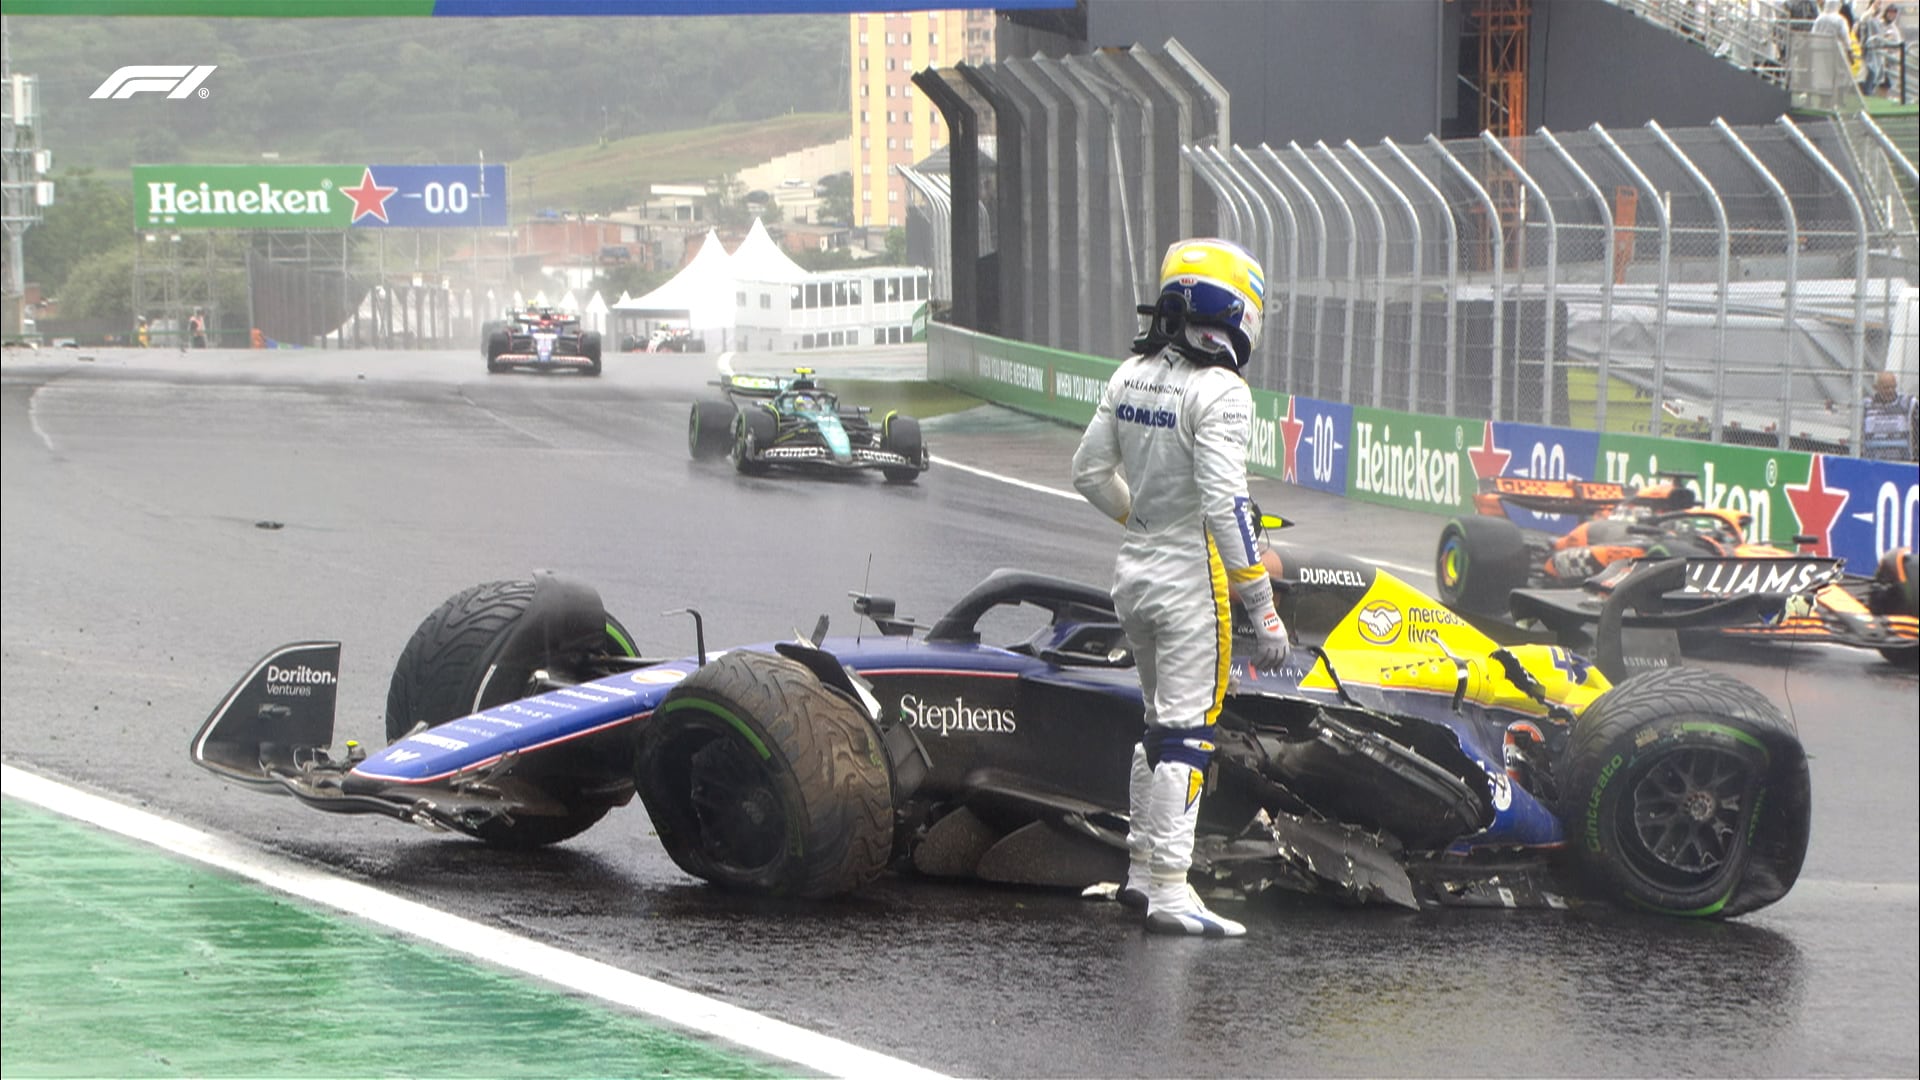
(541, 339)
(1401, 756)
(1489, 568)
(794, 422)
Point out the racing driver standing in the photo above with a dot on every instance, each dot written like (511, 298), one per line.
(1166, 456)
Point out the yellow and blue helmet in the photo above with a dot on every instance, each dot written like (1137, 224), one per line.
(1223, 289)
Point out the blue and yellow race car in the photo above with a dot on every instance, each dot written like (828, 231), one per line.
(1400, 756)
(795, 422)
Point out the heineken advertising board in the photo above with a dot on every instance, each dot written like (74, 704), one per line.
(1852, 509)
(319, 196)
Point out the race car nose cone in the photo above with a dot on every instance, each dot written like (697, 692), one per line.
(836, 439)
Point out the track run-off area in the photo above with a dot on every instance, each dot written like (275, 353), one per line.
(170, 517)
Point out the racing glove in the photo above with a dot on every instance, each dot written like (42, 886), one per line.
(1269, 633)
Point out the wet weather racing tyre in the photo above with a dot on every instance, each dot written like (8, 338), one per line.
(709, 430)
(753, 430)
(902, 436)
(498, 343)
(1687, 793)
(758, 778)
(590, 348)
(1479, 563)
(1896, 594)
(463, 658)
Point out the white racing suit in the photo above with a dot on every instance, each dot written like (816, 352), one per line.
(1165, 454)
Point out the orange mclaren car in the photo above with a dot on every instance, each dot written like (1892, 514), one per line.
(1483, 560)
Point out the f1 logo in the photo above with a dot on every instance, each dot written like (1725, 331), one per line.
(174, 80)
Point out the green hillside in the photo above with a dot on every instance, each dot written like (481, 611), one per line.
(598, 178)
(419, 90)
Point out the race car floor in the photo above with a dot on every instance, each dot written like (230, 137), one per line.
(121, 961)
(169, 518)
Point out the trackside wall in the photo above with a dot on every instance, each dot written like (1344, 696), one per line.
(1854, 509)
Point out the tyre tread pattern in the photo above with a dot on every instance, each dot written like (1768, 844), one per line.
(1778, 841)
(845, 826)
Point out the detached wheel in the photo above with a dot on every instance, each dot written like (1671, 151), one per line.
(1687, 793)
(709, 429)
(759, 778)
(1480, 561)
(465, 658)
(902, 436)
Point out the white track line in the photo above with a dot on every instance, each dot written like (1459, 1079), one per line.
(949, 463)
(1029, 485)
(725, 366)
(681, 1008)
(33, 419)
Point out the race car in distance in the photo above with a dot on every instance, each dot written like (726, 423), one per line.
(793, 421)
(540, 338)
(1488, 567)
(1400, 756)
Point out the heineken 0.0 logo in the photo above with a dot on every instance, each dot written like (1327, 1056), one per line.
(318, 196)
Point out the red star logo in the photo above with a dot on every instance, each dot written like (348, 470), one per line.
(1488, 459)
(1290, 430)
(369, 198)
(1817, 506)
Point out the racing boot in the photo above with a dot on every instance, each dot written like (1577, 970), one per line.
(1173, 810)
(1133, 894)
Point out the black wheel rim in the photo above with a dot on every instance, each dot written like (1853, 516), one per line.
(740, 819)
(1687, 812)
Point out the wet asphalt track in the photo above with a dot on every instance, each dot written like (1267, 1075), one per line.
(138, 584)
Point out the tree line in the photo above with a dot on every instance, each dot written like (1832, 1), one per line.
(389, 90)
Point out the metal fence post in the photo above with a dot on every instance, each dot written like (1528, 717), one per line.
(1419, 241)
(1603, 375)
(1258, 207)
(1553, 272)
(1792, 220)
(1293, 259)
(1380, 275)
(1496, 368)
(1319, 266)
(1859, 273)
(1230, 227)
(1666, 284)
(1353, 271)
(1451, 363)
(1726, 261)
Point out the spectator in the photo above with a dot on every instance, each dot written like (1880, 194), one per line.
(141, 335)
(1868, 32)
(1888, 421)
(1892, 45)
(197, 327)
(1832, 47)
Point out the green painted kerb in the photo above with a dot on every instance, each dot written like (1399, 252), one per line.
(121, 961)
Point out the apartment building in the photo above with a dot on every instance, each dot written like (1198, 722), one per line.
(893, 122)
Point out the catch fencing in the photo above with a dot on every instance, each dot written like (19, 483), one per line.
(1733, 284)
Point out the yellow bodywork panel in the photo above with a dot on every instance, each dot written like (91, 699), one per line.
(1399, 638)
